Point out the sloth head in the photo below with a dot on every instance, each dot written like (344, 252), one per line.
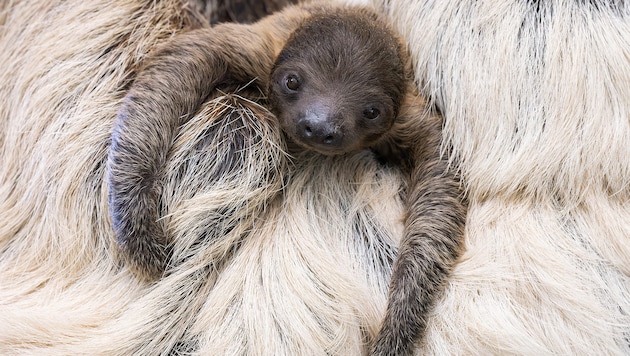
(338, 83)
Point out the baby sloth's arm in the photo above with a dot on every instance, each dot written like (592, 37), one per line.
(434, 228)
(170, 87)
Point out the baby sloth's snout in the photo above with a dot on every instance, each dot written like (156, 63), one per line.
(319, 127)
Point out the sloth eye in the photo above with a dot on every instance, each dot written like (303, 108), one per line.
(292, 82)
(371, 113)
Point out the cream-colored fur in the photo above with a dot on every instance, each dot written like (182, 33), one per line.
(537, 111)
(540, 134)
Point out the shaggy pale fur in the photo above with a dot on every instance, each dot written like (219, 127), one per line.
(536, 98)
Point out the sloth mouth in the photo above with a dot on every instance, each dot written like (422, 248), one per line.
(323, 149)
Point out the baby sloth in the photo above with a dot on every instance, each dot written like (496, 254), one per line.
(338, 80)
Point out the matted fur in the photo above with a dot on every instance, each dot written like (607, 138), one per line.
(540, 134)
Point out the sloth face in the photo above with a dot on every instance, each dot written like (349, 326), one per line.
(330, 117)
(337, 84)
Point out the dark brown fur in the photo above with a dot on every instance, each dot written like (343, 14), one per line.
(348, 61)
(241, 11)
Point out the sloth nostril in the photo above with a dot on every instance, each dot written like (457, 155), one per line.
(308, 131)
(329, 139)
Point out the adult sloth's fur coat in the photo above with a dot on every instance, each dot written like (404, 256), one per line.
(536, 100)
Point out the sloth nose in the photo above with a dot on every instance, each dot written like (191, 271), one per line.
(317, 131)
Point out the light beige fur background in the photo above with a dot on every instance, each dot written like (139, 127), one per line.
(536, 99)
